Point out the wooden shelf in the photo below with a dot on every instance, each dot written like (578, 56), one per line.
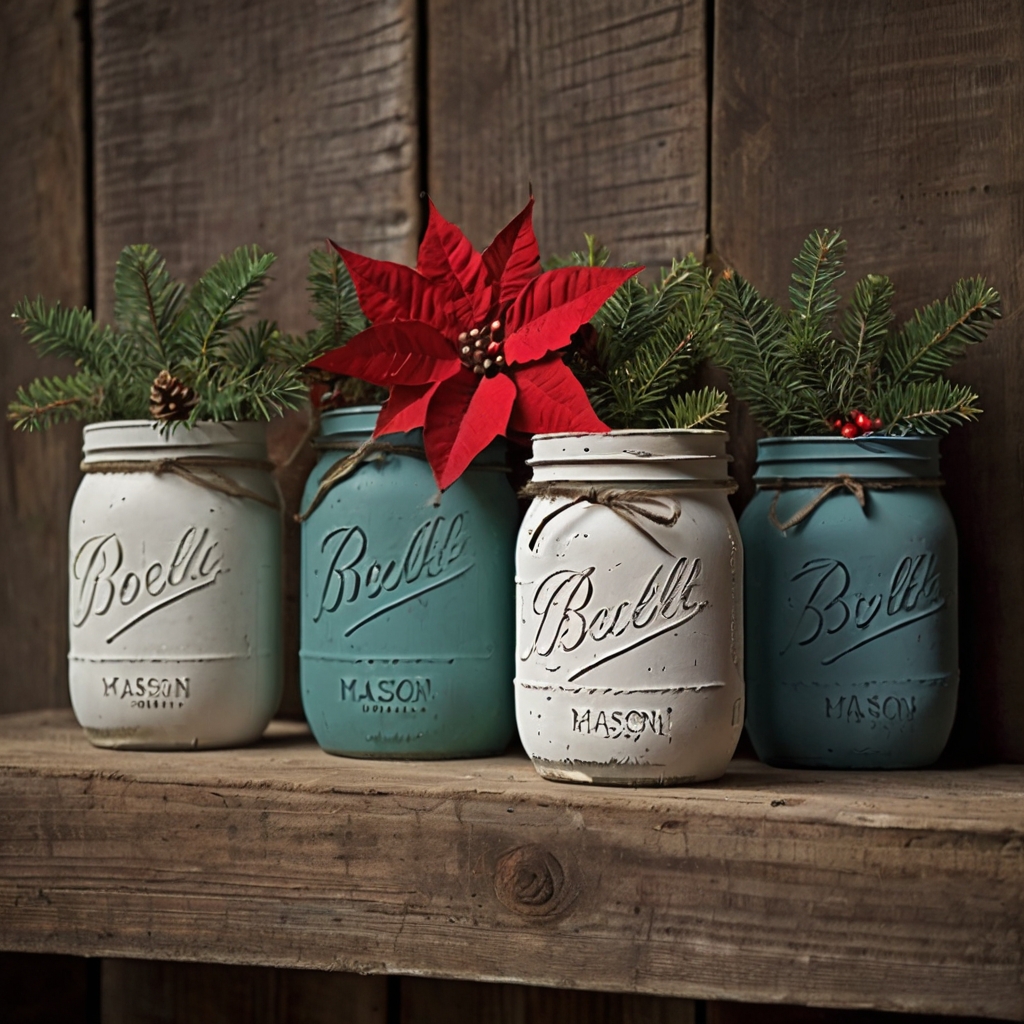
(886, 890)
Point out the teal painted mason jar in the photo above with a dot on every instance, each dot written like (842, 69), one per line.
(407, 614)
(851, 603)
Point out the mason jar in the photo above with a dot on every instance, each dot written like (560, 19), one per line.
(175, 592)
(851, 603)
(407, 606)
(629, 631)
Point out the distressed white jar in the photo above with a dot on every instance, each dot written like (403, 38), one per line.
(175, 592)
(629, 628)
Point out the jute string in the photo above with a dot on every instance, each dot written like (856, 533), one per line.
(830, 485)
(201, 470)
(358, 453)
(630, 505)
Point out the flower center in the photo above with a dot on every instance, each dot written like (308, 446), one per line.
(482, 349)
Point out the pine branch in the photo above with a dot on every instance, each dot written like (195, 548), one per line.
(597, 255)
(59, 331)
(218, 299)
(929, 407)
(335, 303)
(937, 335)
(800, 378)
(812, 292)
(48, 401)
(762, 370)
(645, 342)
(237, 371)
(704, 409)
(148, 303)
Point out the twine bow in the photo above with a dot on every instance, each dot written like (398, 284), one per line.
(629, 505)
(201, 470)
(829, 486)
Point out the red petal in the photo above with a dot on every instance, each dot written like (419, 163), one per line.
(447, 257)
(390, 291)
(402, 352)
(551, 400)
(554, 305)
(405, 409)
(513, 258)
(463, 418)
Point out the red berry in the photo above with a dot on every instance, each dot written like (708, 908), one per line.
(862, 421)
(854, 413)
(837, 424)
(849, 430)
(877, 424)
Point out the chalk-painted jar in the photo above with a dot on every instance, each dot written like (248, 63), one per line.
(629, 632)
(175, 594)
(407, 603)
(852, 610)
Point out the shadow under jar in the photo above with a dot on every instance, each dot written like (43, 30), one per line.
(175, 586)
(852, 607)
(629, 625)
(407, 606)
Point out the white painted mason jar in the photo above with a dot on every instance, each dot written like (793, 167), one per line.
(629, 629)
(175, 586)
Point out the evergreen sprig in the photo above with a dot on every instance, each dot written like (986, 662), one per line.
(335, 306)
(237, 372)
(805, 371)
(637, 356)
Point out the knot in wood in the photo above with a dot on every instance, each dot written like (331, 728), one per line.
(531, 880)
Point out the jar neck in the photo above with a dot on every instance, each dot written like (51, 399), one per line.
(866, 458)
(346, 429)
(146, 440)
(632, 458)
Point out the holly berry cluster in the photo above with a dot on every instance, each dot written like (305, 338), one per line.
(856, 424)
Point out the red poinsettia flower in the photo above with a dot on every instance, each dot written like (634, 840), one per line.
(469, 342)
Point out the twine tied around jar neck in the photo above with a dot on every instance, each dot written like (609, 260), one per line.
(202, 470)
(359, 452)
(631, 505)
(830, 485)
(370, 450)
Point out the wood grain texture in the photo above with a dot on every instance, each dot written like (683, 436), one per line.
(221, 123)
(601, 105)
(885, 891)
(42, 209)
(900, 123)
(759, 1013)
(432, 1001)
(141, 992)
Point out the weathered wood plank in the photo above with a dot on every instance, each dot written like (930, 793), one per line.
(432, 1001)
(758, 1013)
(142, 992)
(603, 106)
(896, 891)
(899, 123)
(43, 210)
(220, 124)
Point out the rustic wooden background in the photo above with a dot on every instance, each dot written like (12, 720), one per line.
(664, 126)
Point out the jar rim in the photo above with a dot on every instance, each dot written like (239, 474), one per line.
(135, 438)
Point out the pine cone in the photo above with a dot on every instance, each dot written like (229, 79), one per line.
(170, 399)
